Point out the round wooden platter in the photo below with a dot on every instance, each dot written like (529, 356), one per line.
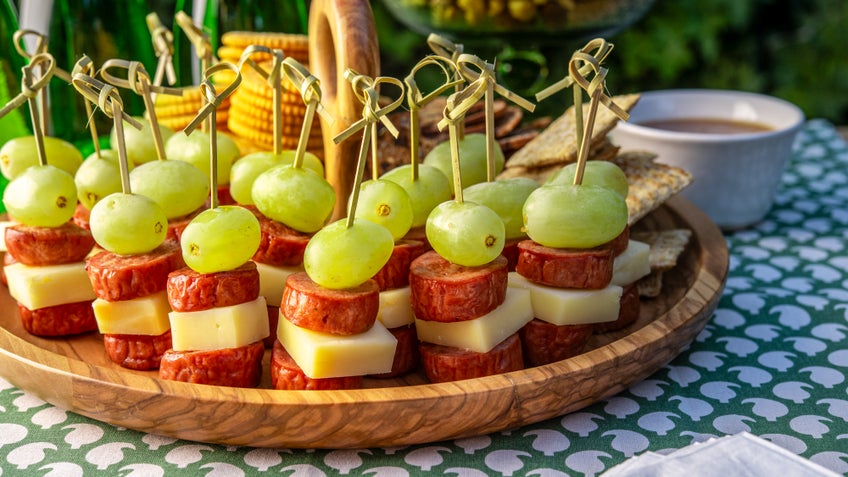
(75, 374)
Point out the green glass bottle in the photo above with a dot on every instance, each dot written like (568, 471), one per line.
(102, 30)
(14, 124)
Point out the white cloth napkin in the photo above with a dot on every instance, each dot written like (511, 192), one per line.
(738, 455)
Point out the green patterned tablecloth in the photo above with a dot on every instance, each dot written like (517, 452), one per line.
(772, 361)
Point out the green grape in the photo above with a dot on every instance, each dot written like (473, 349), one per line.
(177, 186)
(340, 257)
(19, 153)
(41, 196)
(310, 161)
(297, 197)
(431, 189)
(472, 159)
(465, 233)
(96, 178)
(599, 173)
(128, 224)
(220, 239)
(139, 143)
(574, 216)
(194, 149)
(506, 197)
(245, 170)
(387, 204)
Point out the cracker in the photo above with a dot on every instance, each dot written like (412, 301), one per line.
(557, 144)
(666, 246)
(650, 286)
(650, 183)
(603, 151)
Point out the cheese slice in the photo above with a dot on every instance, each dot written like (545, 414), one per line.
(395, 308)
(570, 306)
(485, 332)
(147, 315)
(326, 355)
(272, 281)
(632, 264)
(41, 286)
(220, 328)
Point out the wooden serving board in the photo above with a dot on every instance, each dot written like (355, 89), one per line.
(75, 374)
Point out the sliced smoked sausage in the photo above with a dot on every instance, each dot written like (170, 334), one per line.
(544, 343)
(279, 244)
(445, 363)
(395, 273)
(239, 367)
(59, 320)
(343, 312)
(139, 352)
(36, 246)
(565, 267)
(447, 292)
(189, 290)
(124, 277)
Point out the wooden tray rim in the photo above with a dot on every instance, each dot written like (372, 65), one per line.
(72, 381)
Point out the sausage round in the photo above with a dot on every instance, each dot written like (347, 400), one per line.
(628, 311)
(279, 244)
(81, 216)
(124, 277)
(510, 251)
(342, 312)
(177, 225)
(544, 343)
(139, 352)
(273, 319)
(419, 234)
(445, 363)
(235, 367)
(565, 267)
(406, 354)
(446, 292)
(59, 320)
(287, 375)
(395, 273)
(37, 246)
(8, 259)
(620, 243)
(189, 290)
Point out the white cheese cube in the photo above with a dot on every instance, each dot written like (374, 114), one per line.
(485, 332)
(632, 264)
(220, 328)
(570, 306)
(395, 308)
(146, 315)
(48, 285)
(272, 281)
(326, 355)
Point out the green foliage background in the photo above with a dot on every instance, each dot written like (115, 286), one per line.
(793, 49)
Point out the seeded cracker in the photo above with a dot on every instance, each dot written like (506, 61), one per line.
(650, 183)
(666, 248)
(557, 144)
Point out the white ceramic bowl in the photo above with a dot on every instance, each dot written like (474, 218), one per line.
(735, 175)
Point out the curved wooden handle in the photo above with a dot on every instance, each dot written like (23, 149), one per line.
(342, 35)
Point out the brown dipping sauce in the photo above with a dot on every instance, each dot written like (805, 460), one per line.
(707, 126)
